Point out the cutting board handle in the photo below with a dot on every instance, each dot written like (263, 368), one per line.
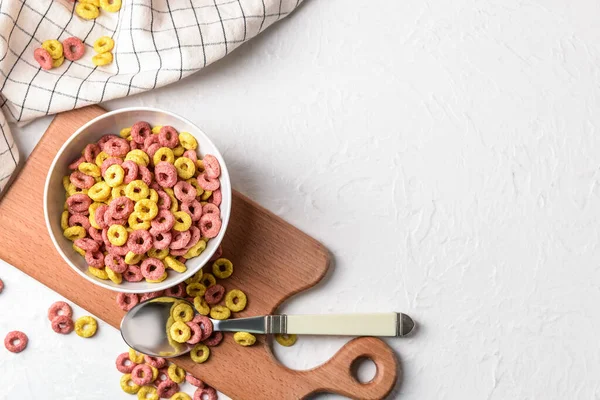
(336, 375)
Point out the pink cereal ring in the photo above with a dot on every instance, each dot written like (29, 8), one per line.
(87, 244)
(210, 225)
(131, 171)
(140, 131)
(141, 374)
(196, 333)
(120, 208)
(210, 208)
(11, 339)
(168, 137)
(166, 389)
(161, 240)
(164, 201)
(191, 154)
(154, 185)
(104, 139)
(90, 152)
(211, 166)
(73, 48)
(139, 241)
(214, 339)
(81, 220)
(216, 198)
(116, 147)
(109, 218)
(115, 263)
(117, 250)
(73, 166)
(207, 183)
(127, 301)
(163, 222)
(194, 208)
(81, 180)
(217, 254)
(205, 325)
(165, 174)
(149, 141)
(99, 215)
(95, 234)
(152, 268)
(94, 259)
(163, 375)
(156, 362)
(59, 308)
(43, 58)
(124, 363)
(206, 393)
(180, 240)
(110, 161)
(214, 294)
(151, 150)
(195, 231)
(79, 203)
(192, 380)
(178, 252)
(151, 295)
(62, 324)
(184, 191)
(145, 174)
(175, 291)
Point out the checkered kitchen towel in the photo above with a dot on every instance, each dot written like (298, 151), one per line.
(157, 42)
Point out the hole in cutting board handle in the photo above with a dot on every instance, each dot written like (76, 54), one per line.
(363, 369)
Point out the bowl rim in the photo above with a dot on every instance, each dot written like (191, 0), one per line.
(159, 286)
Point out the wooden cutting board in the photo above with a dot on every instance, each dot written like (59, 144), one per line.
(272, 259)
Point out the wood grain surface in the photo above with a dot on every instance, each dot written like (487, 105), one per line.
(272, 259)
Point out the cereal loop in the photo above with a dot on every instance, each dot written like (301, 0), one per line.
(62, 324)
(43, 58)
(126, 301)
(183, 312)
(183, 221)
(286, 340)
(210, 225)
(54, 48)
(207, 393)
(244, 338)
(236, 300)
(124, 363)
(180, 332)
(214, 294)
(102, 59)
(59, 308)
(175, 265)
(208, 184)
(146, 209)
(86, 327)
(200, 353)
(176, 374)
(222, 268)
(181, 396)
(168, 137)
(141, 374)
(15, 341)
(133, 274)
(163, 154)
(137, 190)
(87, 11)
(167, 389)
(220, 312)
(211, 166)
(73, 48)
(140, 131)
(128, 385)
(117, 235)
(195, 289)
(114, 175)
(147, 393)
(104, 44)
(201, 306)
(196, 333)
(185, 167)
(152, 268)
(165, 174)
(208, 280)
(110, 5)
(192, 380)
(136, 357)
(116, 147)
(215, 339)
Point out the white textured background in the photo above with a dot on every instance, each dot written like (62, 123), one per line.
(447, 153)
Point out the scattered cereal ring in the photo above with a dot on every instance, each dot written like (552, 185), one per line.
(102, 59)
(208, 280)
(210, 225)
(126, 301)
(116, 147)
(141, 374)
(58, 62)
(214, 339)
(73, 48)
(192, 380)
(168, 137)
(220, 312)
(175, 265)
(110, 5)
(87, 11)
(147, 209)
(176, 374)
(157, 362)
(165, 174)
(62, 324)
(185, 167)
(175, 291)
(151, 295)
(124, 363)
(128, 385)
(196, 333)
(286, 340)
(133, 274)
(183, 312)
(208, 184)
(222, 268)
(86, 326)
(104, 44)
(180, 396)
(195, 289)
(44, 59)
(59, 308)
(54, 48)
(147, 393)
(152, 268)
(200, 353)
(180, 332)
(167, 389)
(205, 324)
(207, 393)
(214, 294)
(244, 338)
(236, 300)
(136, 357)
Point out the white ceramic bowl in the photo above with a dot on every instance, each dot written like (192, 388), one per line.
(113, 122)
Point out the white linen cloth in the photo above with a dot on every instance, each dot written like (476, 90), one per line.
(157, 42)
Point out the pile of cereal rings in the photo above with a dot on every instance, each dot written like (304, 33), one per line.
(90, 9)
(141, 204)
(52, 54)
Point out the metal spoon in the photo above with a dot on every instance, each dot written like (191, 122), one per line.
(144, 327)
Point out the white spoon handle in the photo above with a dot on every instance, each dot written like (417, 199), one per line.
(382, 324)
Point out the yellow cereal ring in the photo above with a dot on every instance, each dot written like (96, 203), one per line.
(188, 141)
(72, 189)
(92, 2)
(104, 44)
(162, 278)
(156, 129)
(117, 235)
(175, 265)
(114, 175)
(128, 385)
(183, 221)
(185, 167)
(66, 181)
(135, 222)
(99, 192)
(153, 196)
(180, 332)
(194, 278)
(174, 202)
(194, 183)
(220, 312)
(79, 250)
(100, 158)
(201, 305)
(110, 5)
(222, 268)
(87, 11)
(118, 191)
(64, 220)
(244, 338)
(114, 276)
(178, 151)
(175, 302)
(139, 157)
(89, 169)
(154, 373)
(102, 59)
(160, 254)
(208, 280)
(92, 219)
(195, 250)
(65, 206)
(146, 209)
(99, 273)
(200, 353)
(230, 302)
(148, 393)
(163, 154)
(200, 166)
(183, 312)
(181, 396)
(58, 62)
(176, 374)
(74, 232)
(125, 133)
(131, 258)
(137, 190)
(86, 326)
(286, 340)
(136, 357)
(54, 48)
(206, 195)
(195, 289)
